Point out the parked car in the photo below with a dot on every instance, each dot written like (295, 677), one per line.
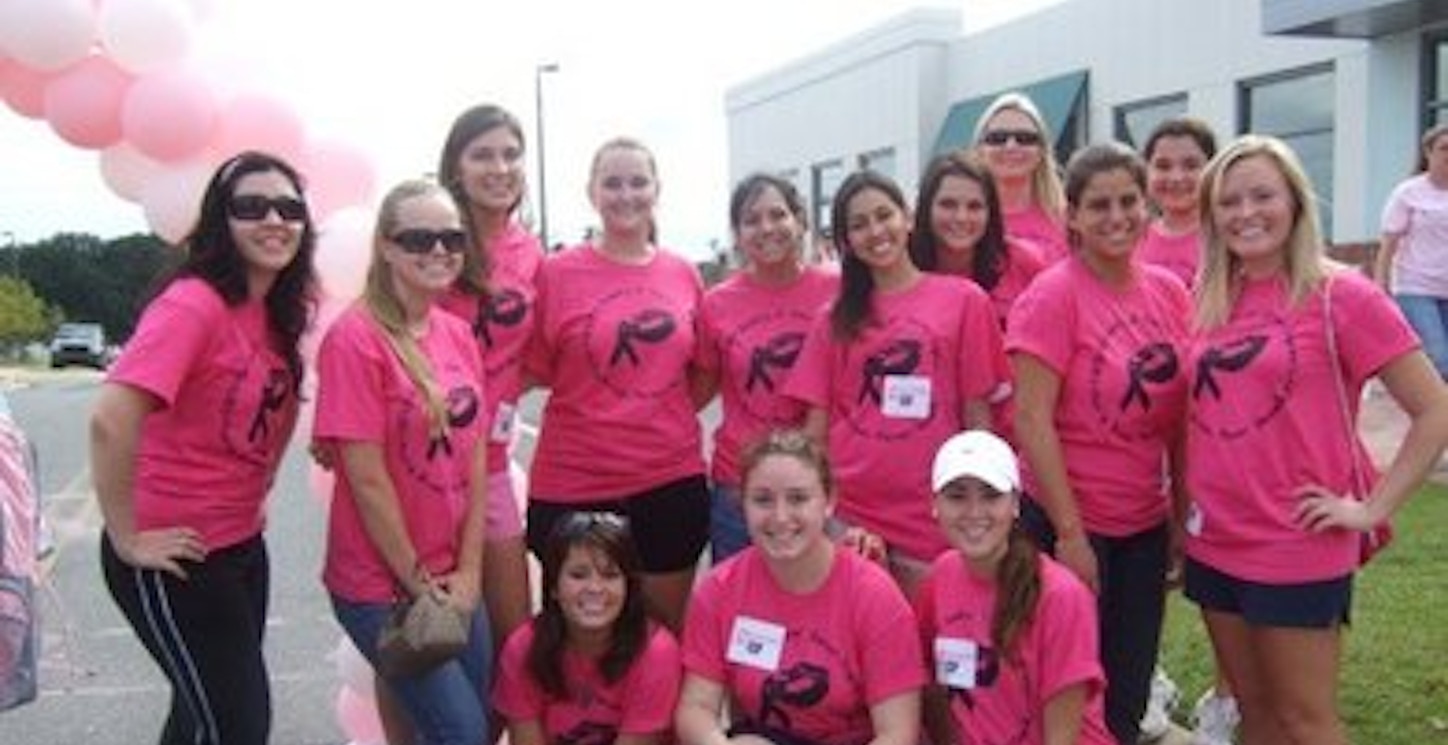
(80, 344)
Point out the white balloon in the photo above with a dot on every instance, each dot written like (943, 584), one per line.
(145, 35)
(47, 34)
(126, 170)
(344, 249)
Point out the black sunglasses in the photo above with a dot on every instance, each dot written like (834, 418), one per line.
(420, 241)
(257, 207)
(1023, 137)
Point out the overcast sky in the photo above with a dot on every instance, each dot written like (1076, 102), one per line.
(390, 76)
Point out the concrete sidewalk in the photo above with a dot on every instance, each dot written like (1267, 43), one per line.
(1383, 425)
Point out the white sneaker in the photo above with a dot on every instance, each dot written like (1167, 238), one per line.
(1156, 722)
(1216, 719)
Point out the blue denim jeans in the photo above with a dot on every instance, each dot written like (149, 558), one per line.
(727, 532)
(447, 706)
(1428, 315)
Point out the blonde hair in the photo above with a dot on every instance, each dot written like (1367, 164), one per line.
(379, 297)
(1046, 189)
(626, 143)
(1303, 261)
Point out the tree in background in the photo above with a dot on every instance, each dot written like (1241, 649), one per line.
(23, 316)
(90, 279)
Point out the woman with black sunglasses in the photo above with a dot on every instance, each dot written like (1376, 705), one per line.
(1013, 139)
(400, 405)
(590, 667)
(185, 440)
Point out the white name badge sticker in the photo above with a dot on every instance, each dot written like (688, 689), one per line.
(503, 422)
(906, 397)
(955, 661)
(755, 643)
(1194, 520)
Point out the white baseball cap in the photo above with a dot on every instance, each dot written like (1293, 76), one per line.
(980, 454)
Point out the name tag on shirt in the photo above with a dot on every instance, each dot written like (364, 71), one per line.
(755, 643)
(503, 422)
(955, 661)
(906, 397)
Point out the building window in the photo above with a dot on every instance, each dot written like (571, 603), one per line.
(880, 161)
(1297, 107)
(826, 180)
(1435, 79)
(1136, 120)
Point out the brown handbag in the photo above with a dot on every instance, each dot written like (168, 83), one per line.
(421, 634)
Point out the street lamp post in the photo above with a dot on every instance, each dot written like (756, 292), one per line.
(14, 253)
(538, 73)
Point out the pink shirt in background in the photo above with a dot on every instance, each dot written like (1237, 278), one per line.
(207, 457)
(751, 335)
(1120, 356)
(615, 343)
(503, 325)
(810, 664)
(1178, 253)
(1265, 421)
(1023, 262)
(365, 396)
(1033, 225)
(1418, 211)
(1005, 701)
(935, 346)
(640, 703)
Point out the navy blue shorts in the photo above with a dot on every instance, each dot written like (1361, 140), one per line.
(670, 523)
(1308, 605)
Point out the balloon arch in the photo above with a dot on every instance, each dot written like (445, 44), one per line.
(119, 77)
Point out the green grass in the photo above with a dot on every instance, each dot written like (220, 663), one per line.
(1395, 676)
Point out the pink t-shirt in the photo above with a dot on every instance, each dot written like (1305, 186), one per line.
(1033, 225)
(207, 457)
(1178, 253)
(615, 343)
(503, 323)
(1265, 421)
(810, 664)
(364, 395)
(1024, 261)
(640, 703)
(751, 334)
(893, 394)
(1004, 701)
(1119, 354)
(1418, 211)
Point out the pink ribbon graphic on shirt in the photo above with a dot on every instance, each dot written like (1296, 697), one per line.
(647, 326)
(273, 395)
(779, 353)
(1229, 357)
(801, 686)
(900, 358)
(506, 307)
(1153, 363)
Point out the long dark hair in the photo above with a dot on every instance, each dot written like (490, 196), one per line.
(608, 534)
(851, 308)
(213, 257)
(989, 259)
(1018, 592)
(465, 128)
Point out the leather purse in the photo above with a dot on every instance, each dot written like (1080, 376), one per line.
(421, 634)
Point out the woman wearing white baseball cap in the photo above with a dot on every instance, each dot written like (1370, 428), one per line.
(1011, 634)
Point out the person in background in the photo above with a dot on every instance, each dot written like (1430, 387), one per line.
(1282, 488)
(186, 437)
(590, 667)
(1012, 138)
(1412, 261)
(960, 230)
(752, 327)
(1097, 344)
(615, 343)
(1175, 152)
(482, 167)
(903, 360)
(1010, 633)
(800, 635)
(400, 404)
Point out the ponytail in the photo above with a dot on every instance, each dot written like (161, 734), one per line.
(1018, 592)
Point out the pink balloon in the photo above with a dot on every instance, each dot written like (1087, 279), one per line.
(83, 104)
(169, 115)
(344, 249)
(357, 717)
(145, 35)
(338, 175)
(23, 88)
(257, 121)
(172, 199)
(126, 171)
(47, 34)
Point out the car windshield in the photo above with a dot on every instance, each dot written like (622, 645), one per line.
(77, 331)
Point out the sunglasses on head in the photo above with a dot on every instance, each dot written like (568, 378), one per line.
(257, 207)
(420, 241)
(1023, 137)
